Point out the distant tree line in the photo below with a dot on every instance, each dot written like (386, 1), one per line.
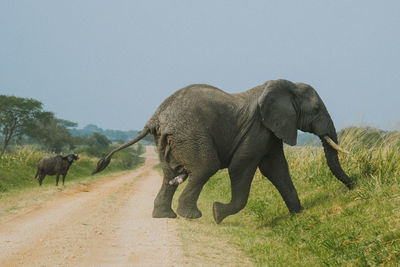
(113, 135)
(23, 121)
(307, 139)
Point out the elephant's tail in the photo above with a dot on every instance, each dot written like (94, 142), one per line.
(103, 163)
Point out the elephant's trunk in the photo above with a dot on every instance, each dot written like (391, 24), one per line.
(332, 159)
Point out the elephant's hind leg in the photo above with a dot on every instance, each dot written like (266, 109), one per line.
(162, 203)
(187, 205)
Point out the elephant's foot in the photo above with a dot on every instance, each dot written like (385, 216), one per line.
(189, 212)
(218, 213)
(163, 213)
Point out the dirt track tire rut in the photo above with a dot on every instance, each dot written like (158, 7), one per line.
(106, 223)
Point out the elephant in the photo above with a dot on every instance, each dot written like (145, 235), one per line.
(57, 165)
(201, 129)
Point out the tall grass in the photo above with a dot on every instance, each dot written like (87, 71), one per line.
(18, 168)
(375, 154)
(338, 227)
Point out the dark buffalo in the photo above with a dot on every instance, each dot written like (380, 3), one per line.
(55, 166)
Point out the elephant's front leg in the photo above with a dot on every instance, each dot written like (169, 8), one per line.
(240, 186)
(162, 203)
(275, 168)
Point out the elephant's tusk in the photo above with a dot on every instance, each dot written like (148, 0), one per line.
(335, 146)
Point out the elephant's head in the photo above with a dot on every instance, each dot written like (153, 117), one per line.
(285, 107)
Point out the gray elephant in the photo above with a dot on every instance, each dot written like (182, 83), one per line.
(57, 165)
(201, 129)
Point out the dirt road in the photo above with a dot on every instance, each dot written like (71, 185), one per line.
(107, 223)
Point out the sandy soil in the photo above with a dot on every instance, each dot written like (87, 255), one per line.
(107, 223)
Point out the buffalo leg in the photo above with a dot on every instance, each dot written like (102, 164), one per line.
(41, 177)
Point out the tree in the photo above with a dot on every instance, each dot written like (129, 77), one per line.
(51, 132)
(16, 114)
(95, 144)
(101, 140)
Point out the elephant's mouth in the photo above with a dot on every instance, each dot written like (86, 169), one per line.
(179, 179)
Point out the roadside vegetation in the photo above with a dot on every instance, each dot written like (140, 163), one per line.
(28, 133)
(337, 227)
(18, 168)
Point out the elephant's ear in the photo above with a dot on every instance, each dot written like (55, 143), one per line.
(277, 110)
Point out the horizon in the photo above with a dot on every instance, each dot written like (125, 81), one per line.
(92, 62)
(299, 131)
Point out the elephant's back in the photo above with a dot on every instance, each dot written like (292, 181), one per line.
(196, 104)
(192, 108)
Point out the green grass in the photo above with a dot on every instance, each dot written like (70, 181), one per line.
(18, 169)
(338, 227)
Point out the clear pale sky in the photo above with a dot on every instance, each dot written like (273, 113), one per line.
(112, 63)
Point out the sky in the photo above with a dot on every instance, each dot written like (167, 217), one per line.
(112, 63)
